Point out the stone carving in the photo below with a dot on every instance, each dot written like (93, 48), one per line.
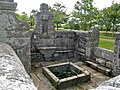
(43, 22)
(43, 34)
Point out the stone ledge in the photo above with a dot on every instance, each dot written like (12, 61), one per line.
(100, 68)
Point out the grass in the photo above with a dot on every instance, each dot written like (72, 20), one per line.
(106, 42)
(106, 37)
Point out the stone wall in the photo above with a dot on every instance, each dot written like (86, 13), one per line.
(82, 40)
(69, 43)
(104, 57)
(116, 61)
(13, 75)
(64, 41)
(86, 42)
(15, 32)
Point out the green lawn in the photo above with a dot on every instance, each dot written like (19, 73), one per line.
(106, 37)
(106, 43)
(106, 40)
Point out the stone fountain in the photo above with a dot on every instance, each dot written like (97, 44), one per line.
(44, 32)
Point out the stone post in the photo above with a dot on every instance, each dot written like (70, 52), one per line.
(92, 43)
(15, 32)
(116, 61)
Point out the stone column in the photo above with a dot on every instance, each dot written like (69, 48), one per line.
(116, 61)
(15, 32)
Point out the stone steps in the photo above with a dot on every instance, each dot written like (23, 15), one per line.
(99, 68)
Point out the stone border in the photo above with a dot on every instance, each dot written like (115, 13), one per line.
(66, 82)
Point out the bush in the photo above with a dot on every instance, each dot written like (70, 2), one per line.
(66, 26)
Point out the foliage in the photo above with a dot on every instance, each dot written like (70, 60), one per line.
(84, 16)
(28, 19)
(31, 18)
(110, 17)
(59, 14)
(86, 13)
(23, 16)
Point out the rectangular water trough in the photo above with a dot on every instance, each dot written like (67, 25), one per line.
(65, 75)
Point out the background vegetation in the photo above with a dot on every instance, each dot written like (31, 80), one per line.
(84, 17)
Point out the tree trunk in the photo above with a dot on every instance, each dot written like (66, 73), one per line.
(113, 31)
(57, 25)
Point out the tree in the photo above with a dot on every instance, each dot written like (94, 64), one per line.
(59, 12)
(23, 16)
(86, 13)
(115, 15)
(31, 18)
(28, 19)
(107, 19)
(110, 17)
(100, 20)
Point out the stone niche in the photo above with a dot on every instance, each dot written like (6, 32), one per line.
(15, 32)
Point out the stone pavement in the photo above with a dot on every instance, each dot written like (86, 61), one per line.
(42, 82)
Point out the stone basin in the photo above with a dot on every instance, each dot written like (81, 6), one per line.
(47, 51)
(65, 75)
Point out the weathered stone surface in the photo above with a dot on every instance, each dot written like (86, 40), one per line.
(116, 61)
(12, 73)
(64, 40)
(43, 35)
(112, 84)
(104, 53)
(81, 41)
(100, 61)
(15, 32)
(86, 43)
(78, 41)
(94, 40)
(99, 68)
(8, 5)
(43, 21)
